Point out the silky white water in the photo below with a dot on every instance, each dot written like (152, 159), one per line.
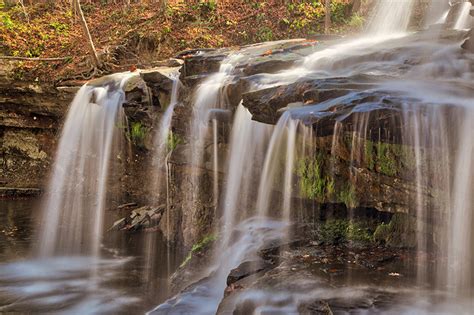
(391, 16)
(464, 19)
(73, 211)
(162, 137)
(160, 178)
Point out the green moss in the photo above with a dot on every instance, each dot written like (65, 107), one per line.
(400, 232)
(341, 231)
(313, 184)
(389, 159)
(138, 133)
(173, 141)
(359, 232)
(330, 187)
(199, 247)
(334, 231)
(385, 159)
(348, 196)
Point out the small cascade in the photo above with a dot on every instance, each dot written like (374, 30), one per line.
(163, 144)
(162, 138)
(463, 19)
(73, 212)
(247, 142)
(272, 166)
(443, 18)
(391, 16)
(460, 245)
(215, 154)
(437, 13)
(442, 157)
(209, 95)
(241, 234)
(289, 170)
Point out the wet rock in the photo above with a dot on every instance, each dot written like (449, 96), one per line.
(221, 115)
(171, 62)
(269, 66)
(19, 193)
(266, 104)
(202, 63)
(246, 269)
(141, 218)
(454, 12)
(399, 232)
(315, 308)
(159, 77)
(469, 42)
(30, 116)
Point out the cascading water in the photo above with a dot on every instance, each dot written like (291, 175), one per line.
(163, 142)
(241, 236)
(73, 215)
(162, 138)
(284, 130)
(75, 201)
(391, 16)
(247, 143)
(437, 12)
(463, 19)
(208, 95)
(390, 20)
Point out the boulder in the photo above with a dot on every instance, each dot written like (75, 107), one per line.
(246, 269)
(140, 218)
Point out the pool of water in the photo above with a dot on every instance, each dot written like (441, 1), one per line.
(127, 279)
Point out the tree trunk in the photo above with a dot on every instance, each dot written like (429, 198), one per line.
(327, 17)
(356, 4)
(85, 29)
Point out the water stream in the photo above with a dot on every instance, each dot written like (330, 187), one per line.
(423, 81)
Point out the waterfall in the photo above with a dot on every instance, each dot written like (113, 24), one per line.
(162, 140)
(437, 12)
(284, 130)
(245, 156)
(420, 74)
(209, 95)
(160, 177)
(215, 153)
(463, 19)
(73, 211)
(460, 250)
(391, 16)
(241, 234)
(443, 158)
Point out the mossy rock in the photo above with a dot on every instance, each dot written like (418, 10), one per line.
(334, 232)
(200, 247)
(400, 232)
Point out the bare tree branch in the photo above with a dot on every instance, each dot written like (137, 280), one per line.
(85, 29)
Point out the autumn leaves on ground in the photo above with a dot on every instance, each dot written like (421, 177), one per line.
(138, 34)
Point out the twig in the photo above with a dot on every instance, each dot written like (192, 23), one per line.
(34, 59)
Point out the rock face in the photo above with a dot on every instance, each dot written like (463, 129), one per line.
(30, 118)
